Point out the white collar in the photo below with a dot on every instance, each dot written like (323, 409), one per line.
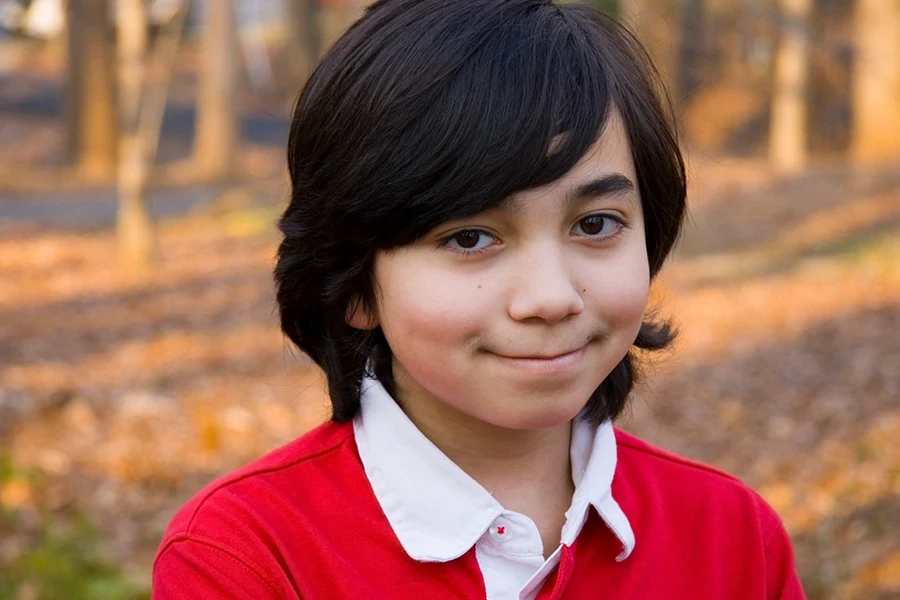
(438, 512)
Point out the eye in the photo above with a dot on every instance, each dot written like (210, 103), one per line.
(598, 226)
(469, 240)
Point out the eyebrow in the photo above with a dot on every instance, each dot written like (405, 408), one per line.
(612, 185)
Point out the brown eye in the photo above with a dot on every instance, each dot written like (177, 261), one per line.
(467, 239)
(469, 242)
(598, 226)
(593, 225)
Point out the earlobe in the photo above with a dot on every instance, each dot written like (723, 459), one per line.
(358, 317)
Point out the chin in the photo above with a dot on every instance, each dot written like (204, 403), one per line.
(538, 415)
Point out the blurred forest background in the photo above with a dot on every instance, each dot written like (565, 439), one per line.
(141, 171)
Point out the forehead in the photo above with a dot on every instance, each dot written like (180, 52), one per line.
(606, 169)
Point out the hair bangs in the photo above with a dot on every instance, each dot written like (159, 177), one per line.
(520, 100)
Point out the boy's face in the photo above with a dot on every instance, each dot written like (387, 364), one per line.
(515, 316)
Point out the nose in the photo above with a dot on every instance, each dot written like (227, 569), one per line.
(544, 288)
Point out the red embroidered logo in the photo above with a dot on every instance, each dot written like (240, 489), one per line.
(500, 530)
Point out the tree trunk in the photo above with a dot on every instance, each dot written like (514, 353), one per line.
(876, 83)
(357, 9)
(657, 25)
(334, 18)
(90, 97)
(305, 38)
(134, 227)
(787, 128)
(218, 128)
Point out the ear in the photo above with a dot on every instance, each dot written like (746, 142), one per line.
(358, 317)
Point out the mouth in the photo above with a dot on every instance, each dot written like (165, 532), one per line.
(545, 363)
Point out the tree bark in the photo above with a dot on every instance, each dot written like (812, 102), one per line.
(134, 226)
(217, 128)
(876, 83)
(334, 18)
(305, 38)
(91, 95)
(656, 23)
(787, 128)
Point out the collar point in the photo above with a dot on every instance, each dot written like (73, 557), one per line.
(625, 553)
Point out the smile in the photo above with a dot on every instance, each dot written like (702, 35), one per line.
(545, 364)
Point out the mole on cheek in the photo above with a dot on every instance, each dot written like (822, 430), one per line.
(479, 287)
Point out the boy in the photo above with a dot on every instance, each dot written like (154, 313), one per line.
(482, 193)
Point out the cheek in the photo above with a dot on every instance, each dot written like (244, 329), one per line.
(620, 291)
(427, 310)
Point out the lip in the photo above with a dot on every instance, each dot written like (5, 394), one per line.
(552, 364)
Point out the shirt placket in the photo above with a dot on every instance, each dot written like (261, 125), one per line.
(509, 552)
(555, 585)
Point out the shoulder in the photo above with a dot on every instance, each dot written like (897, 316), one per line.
(271, 528)
(714, 521)
(635, 451)
(689, 488)
(271, 488)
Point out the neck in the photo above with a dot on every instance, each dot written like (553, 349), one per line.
(527, 471)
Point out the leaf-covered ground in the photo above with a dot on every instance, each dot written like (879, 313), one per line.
(121, 396)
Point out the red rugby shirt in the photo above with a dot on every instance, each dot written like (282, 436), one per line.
(303, 522)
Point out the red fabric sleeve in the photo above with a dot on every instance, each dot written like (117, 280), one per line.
(194, 568)
(782, 581)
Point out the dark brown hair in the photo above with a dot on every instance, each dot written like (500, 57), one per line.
(431, 110)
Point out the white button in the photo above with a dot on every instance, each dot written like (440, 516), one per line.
(500, 531)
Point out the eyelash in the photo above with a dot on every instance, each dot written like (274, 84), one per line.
(445, 242)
